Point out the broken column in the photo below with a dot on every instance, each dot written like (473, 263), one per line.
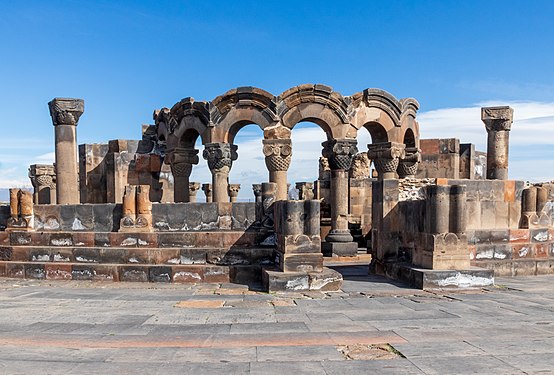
(220, 157)
(529, 215)
(257, 189)
(498, 122)
(278, 154)
(182, 160)
(144, 208)
(234, 191)
(305, 190)
(43, 179)
(65, 114)
(207, 189)
(137, 209)
(386, 158)
(129, 214)
(21, 211)
(339, 241)
(193, 190)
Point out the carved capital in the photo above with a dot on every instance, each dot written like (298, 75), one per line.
(305, 190)
(360, 166)
(324, 169)
(407, 166)
(233, 190)
(497, 118)
(193, 188)
(386, 156)
(340, 152)
(257, 189)
(278, 154)
(66, 111)
(182, 160)
(42, 176)
(220, 156)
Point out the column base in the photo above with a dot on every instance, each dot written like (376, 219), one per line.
(339, 249)
(339, 236)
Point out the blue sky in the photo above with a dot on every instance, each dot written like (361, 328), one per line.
(127, 58)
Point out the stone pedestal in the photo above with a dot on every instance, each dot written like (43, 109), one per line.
(278, 154)
(386, 158)
(339, 153)
(43, 179)
(65, 116)
(233, 192)
(498, 122)
(182, 160)
(193, 190)
(220, 157)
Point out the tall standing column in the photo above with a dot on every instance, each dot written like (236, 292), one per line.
(278, 154)
(182, 160)
(498, 122)
(65, 116)
(220, 157)
(339, 152)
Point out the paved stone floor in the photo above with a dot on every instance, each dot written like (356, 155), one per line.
(372, 326)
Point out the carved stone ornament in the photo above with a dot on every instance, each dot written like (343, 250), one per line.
(386, 156)
(497, 118)
(360, 166)
(340, 152)
(182, 160)
(66, 111)
(324, 169)
(164, 119)
(407, 166)
(220, 156)
(278, 154)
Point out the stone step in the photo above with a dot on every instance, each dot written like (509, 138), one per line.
(197, 273)
(209, 239)
(145, 255)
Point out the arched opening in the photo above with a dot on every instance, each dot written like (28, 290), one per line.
(376, 133)
(306, 138)
(249, 168)
(200, 172)
(409, 138)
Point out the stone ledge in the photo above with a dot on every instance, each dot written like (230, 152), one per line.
(440, 279)
(278, 281)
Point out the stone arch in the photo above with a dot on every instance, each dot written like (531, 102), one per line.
(315, 103)
(373, 107)
(409, 138)
(191, 119)
(239, 107)
(408, 120)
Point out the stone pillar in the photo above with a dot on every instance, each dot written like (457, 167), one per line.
(233, 190)
(339, 152)
(458, 216)
(257, 189)
(14, 204)
(193, 190)
(269, 192)
(144, 208)
(65, 116)
(529, 201)
(305, 190)
(182, 160)
(220, 157)
(207, 189)
(386, 158)
(43, 179)
(278, 154)
(542, 198)
(407, 166)
(438, 209)
(129, 208)
(498, 122)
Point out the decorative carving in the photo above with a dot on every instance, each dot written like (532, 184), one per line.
(164, 120)
(233, 190)
(497, 118)
(66, 111)
(137, 209)
(182, 160)
(339, 152)
(407, 166)
(360, 166)
(278, 154)
(43, 176)
(220, 156)
(386, 157)
(257, 189)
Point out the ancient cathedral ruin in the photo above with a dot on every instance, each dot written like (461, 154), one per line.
(432, 212)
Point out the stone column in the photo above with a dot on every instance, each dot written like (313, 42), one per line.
(14, 205)
(386, 157)
(438, 208)
(269, 192)
(43, 179)
(129, 208)
(407, 166)
(278, 154)
(305, 190)
(234, 191)
(339, 152)
(207, 189)
(182, 160)
(144, 208)
(257, 188)
(65, 116)
(458, 211)
(498, 122)
(193, 190)
(220, 157)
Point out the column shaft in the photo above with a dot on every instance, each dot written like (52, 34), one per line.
(67, 175)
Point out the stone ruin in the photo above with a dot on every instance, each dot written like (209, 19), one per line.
(433, 212)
